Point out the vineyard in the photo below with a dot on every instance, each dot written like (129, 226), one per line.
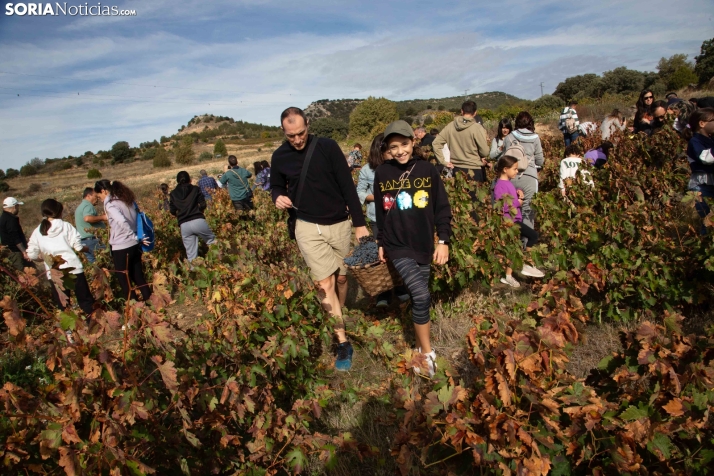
(228, 368)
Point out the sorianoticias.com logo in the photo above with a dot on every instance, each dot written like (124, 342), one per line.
(53, 9)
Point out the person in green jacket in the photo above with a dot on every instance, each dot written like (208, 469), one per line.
(235, 179)
(467, 143)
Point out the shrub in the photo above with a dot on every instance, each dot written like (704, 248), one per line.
(205, 156)
(370, 112)
(11, 173)
(27, 170)
(220, 148)
(2, 174)
(546, 104)
(4, 186)
(94, 174)
(65, 166)
(184, 152)
(161, 158)
(78, 162)
(37, 163)
(121, 152)
(428, 120)
(441, 107)
(149, 154)
(329, 127)
(681, 78)
(33, 189)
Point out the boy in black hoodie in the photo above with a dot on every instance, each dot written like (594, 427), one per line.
(187, 203)
(411, 203)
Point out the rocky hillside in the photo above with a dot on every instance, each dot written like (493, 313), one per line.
(340, 109)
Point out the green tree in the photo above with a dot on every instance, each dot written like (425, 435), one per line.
(4, 187)
(37, 163)
(161, 158)
(2, 174)
(11, 173)
(121, 152)
(220, 148)
(205, 156)
(682, 78)
(704, 67)
(667, 66)
(28, 170)
(94, 174)
(329, 127)
(676, 72)
(576, 86)
(543, 104)
(184, 152)
(619, 81)
(369, 113)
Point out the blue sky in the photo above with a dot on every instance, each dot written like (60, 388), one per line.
(85, 83)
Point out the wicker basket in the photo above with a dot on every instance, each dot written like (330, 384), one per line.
(377, 277)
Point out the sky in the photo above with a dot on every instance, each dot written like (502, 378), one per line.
(70, 84)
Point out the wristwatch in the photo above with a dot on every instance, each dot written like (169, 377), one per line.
(443, 242)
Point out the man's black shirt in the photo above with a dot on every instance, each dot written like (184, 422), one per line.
(329, 189)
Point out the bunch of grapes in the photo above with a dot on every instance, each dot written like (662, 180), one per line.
(367, 252)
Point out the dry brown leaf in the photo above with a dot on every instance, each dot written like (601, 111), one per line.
(67, 461)
(674, 407)
(14, 322)
(168, 372)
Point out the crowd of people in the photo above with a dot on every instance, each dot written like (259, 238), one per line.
(404, 196)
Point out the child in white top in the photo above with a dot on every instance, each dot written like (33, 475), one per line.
(56, 237)
(570, 166)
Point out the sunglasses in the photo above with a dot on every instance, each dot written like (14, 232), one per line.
(648, 97)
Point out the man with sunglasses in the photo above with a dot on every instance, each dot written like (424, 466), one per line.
(327, 200)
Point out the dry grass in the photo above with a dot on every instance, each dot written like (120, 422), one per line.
(140, 176)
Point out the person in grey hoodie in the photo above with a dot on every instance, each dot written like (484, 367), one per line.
(187, 203)
(120, 207)
(528, 179)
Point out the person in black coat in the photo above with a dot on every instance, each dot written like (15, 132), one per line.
(187, 203)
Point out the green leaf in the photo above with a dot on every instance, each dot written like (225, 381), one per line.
(605, 362)
(68, 320)
(296, 460)
(661, 446)
(633, 413)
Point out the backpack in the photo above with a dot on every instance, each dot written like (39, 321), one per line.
(516, 150)
(570, 126)
(144, 229)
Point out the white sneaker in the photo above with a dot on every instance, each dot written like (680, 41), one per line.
(430, 364)
(511, 281)
(532, 272)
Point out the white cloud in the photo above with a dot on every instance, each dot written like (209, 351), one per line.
(419, 52)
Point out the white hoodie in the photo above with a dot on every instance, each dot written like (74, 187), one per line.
(63, 240)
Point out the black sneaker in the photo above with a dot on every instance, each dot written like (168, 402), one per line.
(344, 357)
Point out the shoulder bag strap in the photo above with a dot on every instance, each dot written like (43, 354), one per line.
(239, 178)
(303, 174)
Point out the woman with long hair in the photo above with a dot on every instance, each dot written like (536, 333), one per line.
(365, 190)
(120, 207)
(505, 127)
(187, 203)
(612, 123)
(527, 180)
(55, 237)
(643, 116)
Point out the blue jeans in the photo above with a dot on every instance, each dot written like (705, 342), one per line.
(93, 244)
(570, 138)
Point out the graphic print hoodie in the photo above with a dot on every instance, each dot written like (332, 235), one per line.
(409, 209)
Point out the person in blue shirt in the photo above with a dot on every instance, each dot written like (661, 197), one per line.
(700, 154)
(207, 184)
